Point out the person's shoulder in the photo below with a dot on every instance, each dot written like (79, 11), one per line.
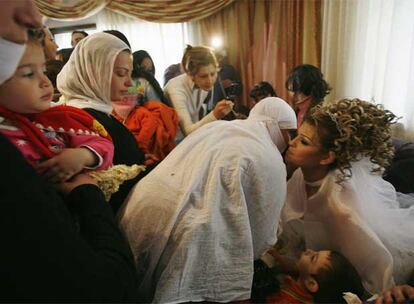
(178, 79)
(179, 82)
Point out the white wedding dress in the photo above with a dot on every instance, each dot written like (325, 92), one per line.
(362, 219)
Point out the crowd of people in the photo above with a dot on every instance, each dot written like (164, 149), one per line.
(288, 205)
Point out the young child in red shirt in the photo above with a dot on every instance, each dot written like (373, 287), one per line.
(58, 141)
(322, 277)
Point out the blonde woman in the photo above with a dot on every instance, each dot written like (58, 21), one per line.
(189, 91)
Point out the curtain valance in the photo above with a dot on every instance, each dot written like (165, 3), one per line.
(161, 11)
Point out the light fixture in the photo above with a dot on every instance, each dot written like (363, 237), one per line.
(216, 42)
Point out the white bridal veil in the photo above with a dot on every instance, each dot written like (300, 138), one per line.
(362, 219)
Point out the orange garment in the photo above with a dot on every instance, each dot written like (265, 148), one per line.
(290, 293)
(154, 126)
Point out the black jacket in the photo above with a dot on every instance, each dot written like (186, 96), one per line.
(44, 256)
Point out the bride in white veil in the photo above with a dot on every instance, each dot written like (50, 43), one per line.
(338, 200)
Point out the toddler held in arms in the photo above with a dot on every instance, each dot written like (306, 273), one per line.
(59, 141)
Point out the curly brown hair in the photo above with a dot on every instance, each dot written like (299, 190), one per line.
(353, 129)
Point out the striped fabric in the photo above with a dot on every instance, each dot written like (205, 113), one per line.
(162, 11)
(70, 9)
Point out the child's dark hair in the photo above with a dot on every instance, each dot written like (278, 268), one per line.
(36, 36)
(333, 281)
(262, 88)
(308, 79)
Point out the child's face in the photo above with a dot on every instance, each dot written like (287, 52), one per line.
(311, 261)
(29, 90)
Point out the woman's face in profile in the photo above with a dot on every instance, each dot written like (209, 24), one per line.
(205, 77)
(121, 76)
(50, 46)
(305, 149)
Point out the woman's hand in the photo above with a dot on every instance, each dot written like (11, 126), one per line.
(222, 108)
(66, 164)
(397, 294)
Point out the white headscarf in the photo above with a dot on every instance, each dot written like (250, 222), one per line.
(85, 80)
(277, 115)
(10, 55)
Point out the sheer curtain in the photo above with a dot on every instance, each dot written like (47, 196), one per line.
(164, 42)
(368, 52)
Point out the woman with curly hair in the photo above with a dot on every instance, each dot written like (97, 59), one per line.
(337, 199)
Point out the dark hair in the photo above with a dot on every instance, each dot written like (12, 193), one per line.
(138, 72)
(308, 80)
(139, 56)
(36, 36)
(85, 34)
(53, 68)
(333, 281)
(65, 54)
(196, 56)
(119, 35)
(262, 88)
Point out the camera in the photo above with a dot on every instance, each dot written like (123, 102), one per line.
(233, 91)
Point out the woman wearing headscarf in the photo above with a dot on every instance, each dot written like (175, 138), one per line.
(145, 111)
(198, 221)
(97, 73)
(143, 74)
